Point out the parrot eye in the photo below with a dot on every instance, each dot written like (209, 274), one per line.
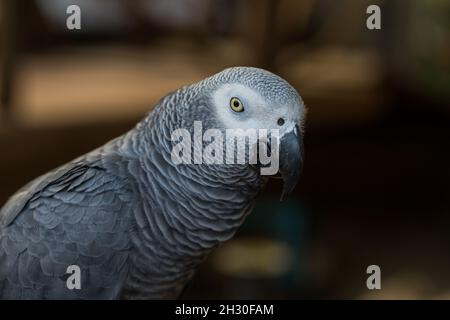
(236, 105)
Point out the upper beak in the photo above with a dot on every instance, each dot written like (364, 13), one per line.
(291, 159)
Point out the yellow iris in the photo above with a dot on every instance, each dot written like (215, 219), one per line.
(236, 105)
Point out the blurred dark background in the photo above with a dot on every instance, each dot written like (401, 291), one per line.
(376, 184)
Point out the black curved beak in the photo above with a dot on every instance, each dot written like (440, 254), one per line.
(291, 159)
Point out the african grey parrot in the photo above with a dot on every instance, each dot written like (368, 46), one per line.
(136, 224)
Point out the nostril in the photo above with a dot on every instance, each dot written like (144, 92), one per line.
(280, 122)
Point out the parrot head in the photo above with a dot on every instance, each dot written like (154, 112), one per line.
(251, 98)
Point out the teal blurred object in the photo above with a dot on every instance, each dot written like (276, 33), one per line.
(287, 222)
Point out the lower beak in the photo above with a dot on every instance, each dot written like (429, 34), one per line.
(291, 159)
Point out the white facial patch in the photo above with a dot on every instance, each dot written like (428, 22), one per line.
(250, 99)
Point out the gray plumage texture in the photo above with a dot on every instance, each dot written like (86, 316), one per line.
(136, 224)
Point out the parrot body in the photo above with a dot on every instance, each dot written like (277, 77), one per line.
(136, 224)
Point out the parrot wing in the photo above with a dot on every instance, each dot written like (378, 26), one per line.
(79, 214)
(16, 203)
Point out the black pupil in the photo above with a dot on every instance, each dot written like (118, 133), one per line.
(236, 103)
(280, 121)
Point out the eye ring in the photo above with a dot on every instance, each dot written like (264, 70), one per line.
(236, 105)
